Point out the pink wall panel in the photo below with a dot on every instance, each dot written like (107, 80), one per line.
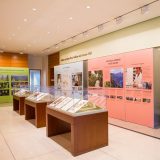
(127, 85)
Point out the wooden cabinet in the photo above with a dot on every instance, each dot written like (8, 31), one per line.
(88, 131)
(37, 111)
(18, 104)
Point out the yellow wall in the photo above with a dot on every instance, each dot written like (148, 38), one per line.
(139, 36)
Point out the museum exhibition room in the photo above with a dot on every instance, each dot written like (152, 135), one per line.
(80, 80)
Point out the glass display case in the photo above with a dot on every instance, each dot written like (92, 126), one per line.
(78, 115)
(40, 97)
(75, 101)
(23, 92)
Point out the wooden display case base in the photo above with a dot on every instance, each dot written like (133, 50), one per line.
(18, 104)
(85, 132)
(36, 111)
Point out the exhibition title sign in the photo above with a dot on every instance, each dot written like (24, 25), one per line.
(76, 57)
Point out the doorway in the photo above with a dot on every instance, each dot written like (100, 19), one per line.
(35, 79)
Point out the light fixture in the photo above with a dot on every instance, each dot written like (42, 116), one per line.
(48, 32)
(74, 38)
(145, 9)
(100, 27)
(25, 19)
(1, 51)
(21, 52)
(56, 46)
(119, 20)
(34, 9)
(88, 7)
(85, 33)
(63, 42)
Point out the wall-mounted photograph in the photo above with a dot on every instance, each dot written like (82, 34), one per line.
(116, 78)
(134, 77)
(19, 78)
(4, 77)
(95, 78)
(77, 79)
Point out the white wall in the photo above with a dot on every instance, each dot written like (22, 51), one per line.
(39, 62)
(136, 37)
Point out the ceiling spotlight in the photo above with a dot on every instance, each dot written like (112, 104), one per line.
(74, 38)
(63, 42)
(100, 27)
(34, 9)
(56, 46)
(85, 33)
(70, 18)
(145, 9)
(119, 20)
(25, 20)
(1, 51)
(49, 49)
(88, 7)
(48, 32)
(21, 52)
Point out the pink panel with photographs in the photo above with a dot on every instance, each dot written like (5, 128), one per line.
(102, 74)
(139, 87)
(126, 82)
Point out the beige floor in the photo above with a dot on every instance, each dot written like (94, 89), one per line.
(135, 127)
(20, 140)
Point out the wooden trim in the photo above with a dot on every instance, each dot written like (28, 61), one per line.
(53, 60)
(13, 60)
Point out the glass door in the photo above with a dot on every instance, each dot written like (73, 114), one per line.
(35, 79)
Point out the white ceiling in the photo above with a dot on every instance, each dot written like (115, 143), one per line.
(32, 26)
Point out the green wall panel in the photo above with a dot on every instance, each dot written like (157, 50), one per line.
(12, 79)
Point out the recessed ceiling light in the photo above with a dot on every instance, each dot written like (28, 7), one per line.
(1, 51)
(21, 52)
(70, 18)
(25, 20)
(34, 9)
(48, 32)
(88, 7)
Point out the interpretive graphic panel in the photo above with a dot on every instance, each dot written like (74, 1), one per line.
(69, 78)
(127, 84)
